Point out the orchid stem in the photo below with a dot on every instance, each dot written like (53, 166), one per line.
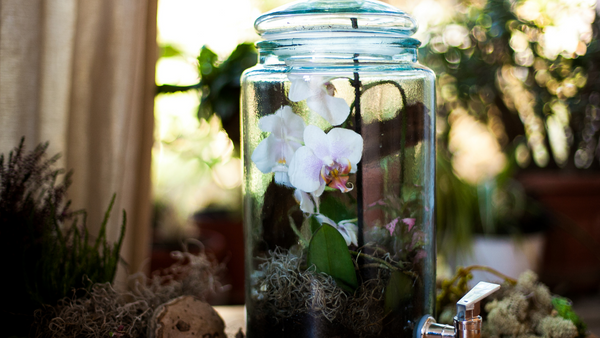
(403, 139)
(358, 120)
(301, 238)
(403, 119)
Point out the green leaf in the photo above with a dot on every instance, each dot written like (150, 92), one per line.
(314, 224)
(409, 193)
(220, 82)
(338, 206)
(328, 252)
(169, 51)
(398, 289)
(564, 308)
(206, 61)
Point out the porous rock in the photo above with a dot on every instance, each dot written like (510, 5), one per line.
(185, 317)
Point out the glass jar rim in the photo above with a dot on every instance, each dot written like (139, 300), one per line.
(340, 48)
(337, 41)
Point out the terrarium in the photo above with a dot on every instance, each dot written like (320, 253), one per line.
(339, 172)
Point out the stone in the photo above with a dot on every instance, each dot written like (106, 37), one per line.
(186, 317)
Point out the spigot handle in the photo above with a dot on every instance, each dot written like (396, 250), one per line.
(468, 306)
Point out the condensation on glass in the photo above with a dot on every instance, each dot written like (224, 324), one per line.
(339, 174)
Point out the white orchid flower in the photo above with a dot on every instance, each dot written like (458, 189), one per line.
(309, 203)
(347, 228)
(318, 93)
(326, 159)
(274, 153)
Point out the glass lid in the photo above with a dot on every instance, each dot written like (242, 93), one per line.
(342, 16)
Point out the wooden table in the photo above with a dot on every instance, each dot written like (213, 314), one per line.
(234, 317)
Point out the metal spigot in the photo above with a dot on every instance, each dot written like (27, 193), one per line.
(467, 322)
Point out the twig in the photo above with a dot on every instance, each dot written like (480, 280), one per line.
(378, 260)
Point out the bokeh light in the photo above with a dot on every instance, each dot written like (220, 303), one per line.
(490, 69)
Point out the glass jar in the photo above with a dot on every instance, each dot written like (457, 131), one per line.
(339, 173)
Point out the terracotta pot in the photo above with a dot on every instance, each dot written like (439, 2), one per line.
(572, 255)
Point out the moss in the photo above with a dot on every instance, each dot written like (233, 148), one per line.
(557, 327)
(283, 290)
(503, 319)
(525, 311)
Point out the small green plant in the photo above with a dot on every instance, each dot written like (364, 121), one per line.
(71, 260)
(44, 257)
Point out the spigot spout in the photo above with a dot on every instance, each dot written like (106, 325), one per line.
(467, 323)
(431, 329)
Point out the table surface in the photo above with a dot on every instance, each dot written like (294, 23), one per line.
(588, 309)
(234, 317)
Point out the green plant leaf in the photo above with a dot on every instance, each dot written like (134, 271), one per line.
(314, 224)
(564, 308)
(398, 289)
(169, 50)
(338, 206)
(328, 252)
(207, 61)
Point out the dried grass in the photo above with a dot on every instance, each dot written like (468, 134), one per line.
(104, 311)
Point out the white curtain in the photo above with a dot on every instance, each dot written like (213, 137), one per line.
(80, 74)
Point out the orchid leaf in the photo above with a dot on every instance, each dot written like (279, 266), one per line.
(314, 225)
(398, 289)
(338, 206)
(329, 253)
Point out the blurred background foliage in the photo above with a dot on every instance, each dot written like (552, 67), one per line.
(219, 85)
(524, 69)
(517, 91)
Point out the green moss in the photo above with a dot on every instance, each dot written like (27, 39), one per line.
(557, 327)
(525, 311)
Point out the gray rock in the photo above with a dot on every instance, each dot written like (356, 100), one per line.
(185, 317)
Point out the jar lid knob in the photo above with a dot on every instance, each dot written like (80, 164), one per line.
(354, 16)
